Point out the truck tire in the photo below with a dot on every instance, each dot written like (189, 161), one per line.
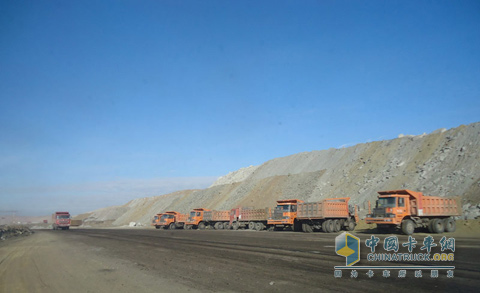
(430, 225)
(328, 226)
(251, 225)
(450, 225)
(438, 226)
(217, 226)
(259, 226)
(408, 227)
(157, 227)
(201, 226)
(235, 225)
(324, 227)
(307, 228)
(187, 227)
(350, 225)
(336, 226)
(172, 226)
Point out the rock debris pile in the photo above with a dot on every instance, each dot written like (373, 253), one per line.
(7, 231)
(442, 163)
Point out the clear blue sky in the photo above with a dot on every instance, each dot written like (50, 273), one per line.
(106, 101)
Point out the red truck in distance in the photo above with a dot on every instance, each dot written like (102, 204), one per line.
(61, 220)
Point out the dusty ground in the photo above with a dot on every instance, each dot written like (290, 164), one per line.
(147, 260)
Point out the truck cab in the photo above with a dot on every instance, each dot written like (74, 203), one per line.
(285, 213)
(195, 219)
(61, 220)
(156, 220)
(390, 209)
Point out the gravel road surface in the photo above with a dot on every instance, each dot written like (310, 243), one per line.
(147, 260)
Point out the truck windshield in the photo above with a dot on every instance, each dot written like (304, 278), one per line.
(192, 214)
(63, 217)
(166, 217)
(386, 202)
(285, 208)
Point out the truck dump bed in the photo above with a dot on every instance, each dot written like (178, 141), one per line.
(435, 206)
(426, 206)
(327, 208)
(215, 216)
(253, 214)
(182, 218)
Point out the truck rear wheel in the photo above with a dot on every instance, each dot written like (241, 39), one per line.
(336, 226)
(329, 226)
(307, 228)
(251, 225)
(172, 226)
(259, 226)
(217, 226)
(450, 225)
(430, 226)
(438, 226)
(408, 227)
(324, 226)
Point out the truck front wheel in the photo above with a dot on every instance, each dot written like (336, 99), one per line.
(408, 227)
(350, 225)
(235, 225)
(337, 226)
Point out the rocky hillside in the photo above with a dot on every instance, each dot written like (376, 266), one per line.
(443, 163)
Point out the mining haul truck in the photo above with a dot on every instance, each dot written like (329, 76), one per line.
(408, 210)
(171, 220)
(328, 215)
(207, 219)
(61, 220)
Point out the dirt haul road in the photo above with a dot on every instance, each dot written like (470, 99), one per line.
(147, 260)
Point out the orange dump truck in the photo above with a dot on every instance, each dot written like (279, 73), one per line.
(328, 215)
(407, 210)
(205, 219)
(253, 219)
(155, 220)
(284, 215)
(171, 220)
